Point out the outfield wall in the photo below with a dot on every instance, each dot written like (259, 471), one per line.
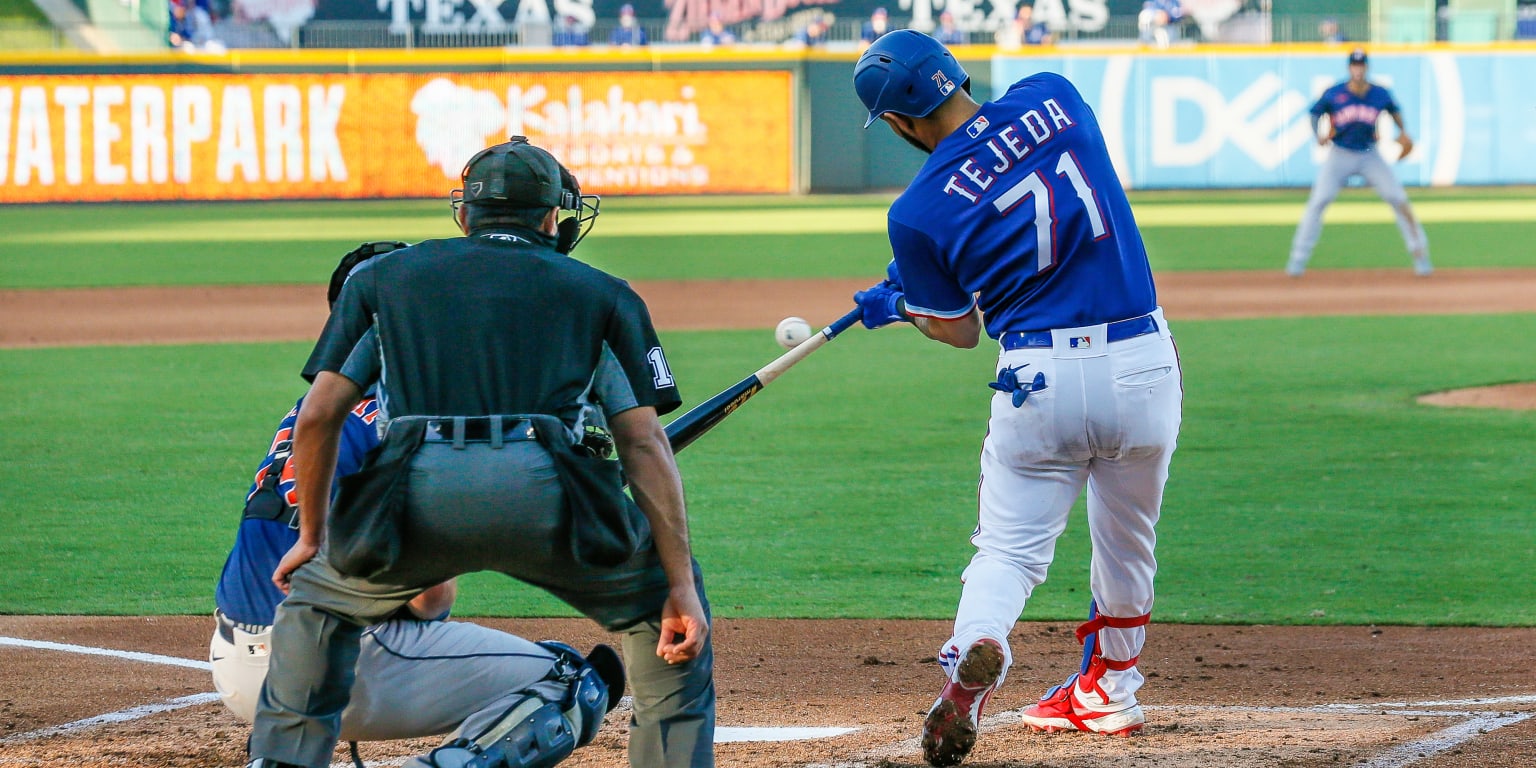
(1240, 120)
(349, 124)
(279, 136)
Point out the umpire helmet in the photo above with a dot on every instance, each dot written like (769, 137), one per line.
(517, 174)
(906, 72)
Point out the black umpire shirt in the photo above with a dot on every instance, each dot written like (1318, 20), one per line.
(494, 323)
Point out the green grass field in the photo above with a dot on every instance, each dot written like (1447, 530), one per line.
(722, 237)
(1309, 487)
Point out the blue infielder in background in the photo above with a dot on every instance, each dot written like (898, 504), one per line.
(1353, 107)
(1018, 217)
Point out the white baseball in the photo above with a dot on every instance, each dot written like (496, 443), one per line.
(792, 331)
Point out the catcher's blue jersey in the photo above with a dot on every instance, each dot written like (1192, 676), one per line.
(1021, 207)
(246, 593)
(1354, 117)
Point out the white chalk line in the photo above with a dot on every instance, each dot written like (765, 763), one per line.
(723, 735)
(120, 716)
(1397, 757)
(1442, 740)
(151, 658)
(1480, 723)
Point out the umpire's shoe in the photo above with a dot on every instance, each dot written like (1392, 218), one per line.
(949, 732)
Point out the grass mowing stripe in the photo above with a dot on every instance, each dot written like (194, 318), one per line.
(774, 221)
(696, 257)
(1308, 487)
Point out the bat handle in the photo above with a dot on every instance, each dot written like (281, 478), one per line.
(843, 323)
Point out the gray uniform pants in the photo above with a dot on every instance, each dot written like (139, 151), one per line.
(473, 509)
(1337, 169)
(402, 663)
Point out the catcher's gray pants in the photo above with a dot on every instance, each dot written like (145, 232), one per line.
(399, 691)
(473, 509)
(1340, 165)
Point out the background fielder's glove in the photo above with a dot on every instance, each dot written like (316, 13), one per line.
(882, 305)
(355, 257)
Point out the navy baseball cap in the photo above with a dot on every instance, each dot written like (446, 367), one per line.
(513, 173)
(1357, 56)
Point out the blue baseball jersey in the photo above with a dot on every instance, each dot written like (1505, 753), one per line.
(1354, 117)
(245, 592)
(1021, 208)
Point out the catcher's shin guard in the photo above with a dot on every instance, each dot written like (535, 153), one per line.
(533, 734)
(538, 734)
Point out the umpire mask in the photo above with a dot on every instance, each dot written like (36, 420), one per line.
(583, 210)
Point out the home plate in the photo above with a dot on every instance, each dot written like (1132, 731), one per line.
(733, 735)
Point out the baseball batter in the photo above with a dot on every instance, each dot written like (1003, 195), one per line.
(404, 661)
(1353, 108)
(1017, 217)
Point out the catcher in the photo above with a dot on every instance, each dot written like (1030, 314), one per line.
(405, 660)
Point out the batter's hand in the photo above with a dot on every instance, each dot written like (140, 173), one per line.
(882, 305)
(1406, 143)
(683, 627)
(297, 555)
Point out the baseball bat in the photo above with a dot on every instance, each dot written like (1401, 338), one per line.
(704, 416)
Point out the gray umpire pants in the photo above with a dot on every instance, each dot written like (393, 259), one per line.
(1338, 167)
(471, 509)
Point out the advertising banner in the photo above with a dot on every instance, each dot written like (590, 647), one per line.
(248, 137)
(1242, 120)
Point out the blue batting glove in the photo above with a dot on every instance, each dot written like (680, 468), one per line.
(892, 276)
(882, 305)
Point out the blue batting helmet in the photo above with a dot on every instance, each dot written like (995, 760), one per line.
(906, 72)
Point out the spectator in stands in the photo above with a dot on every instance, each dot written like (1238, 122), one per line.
(179, 34)
(813, 34)
(1023, 31)
(629, 32)
(948, 33)
(191, 26)
(1328, 31)
(878, 24)
(569, 33)
(1158, 21)
(716, 33)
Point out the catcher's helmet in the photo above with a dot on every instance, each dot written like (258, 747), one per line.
(515, 173)
(906, 72)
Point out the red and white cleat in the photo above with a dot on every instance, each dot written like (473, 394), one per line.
(949, 732)
(1063, 709)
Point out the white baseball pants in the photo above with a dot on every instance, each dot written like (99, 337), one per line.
(1340, 165)
(1108, 419)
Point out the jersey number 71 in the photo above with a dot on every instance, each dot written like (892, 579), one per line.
(1036, 185)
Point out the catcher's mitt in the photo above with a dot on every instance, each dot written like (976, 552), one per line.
(355, 257)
